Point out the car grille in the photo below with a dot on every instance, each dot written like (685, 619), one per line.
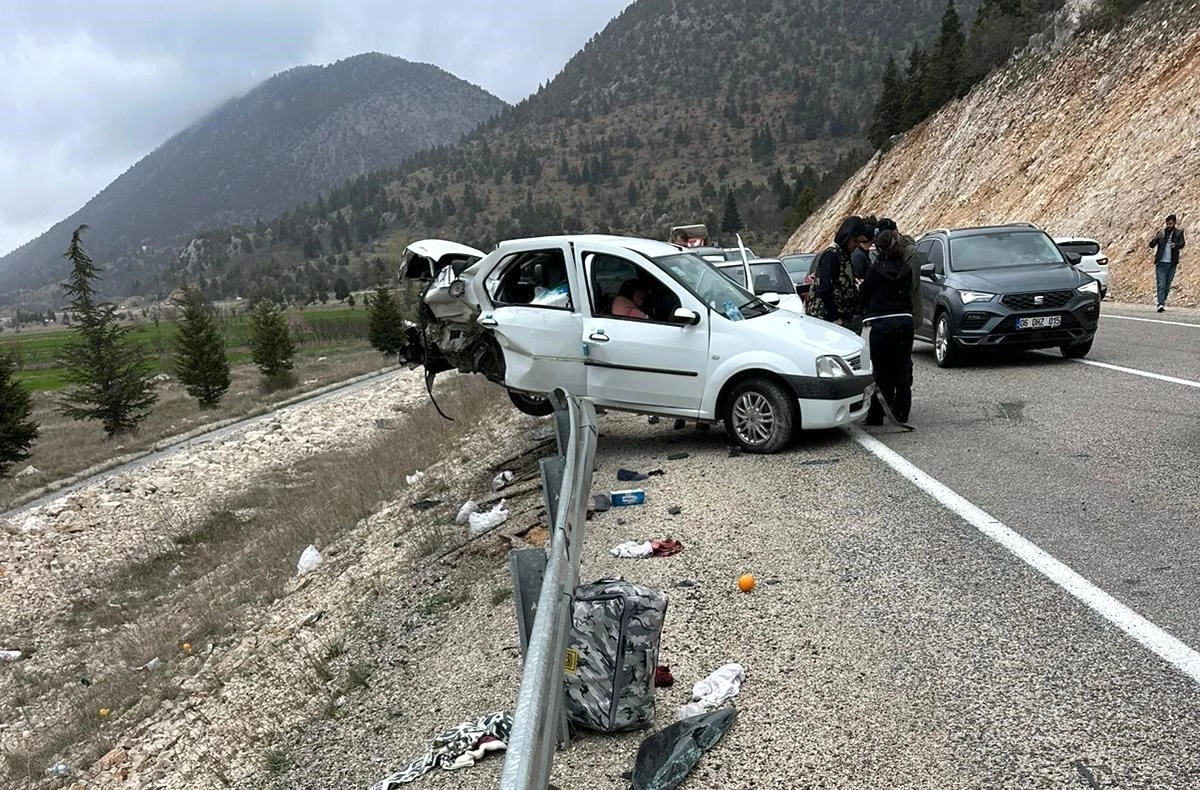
(1050, 300)
(975, 321)
(855, 362)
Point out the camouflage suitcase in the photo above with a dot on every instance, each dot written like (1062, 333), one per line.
(611, 655)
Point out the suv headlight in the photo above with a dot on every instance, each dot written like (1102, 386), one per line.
(831, 366)
(1092, 287)
(975, 296)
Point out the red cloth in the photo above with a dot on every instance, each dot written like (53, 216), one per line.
(663, 677)
(665, 548)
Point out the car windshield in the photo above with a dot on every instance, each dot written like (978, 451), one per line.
(1080, 247)
(798, 264)
(711, 287)
(769, 277)
(1002, 249)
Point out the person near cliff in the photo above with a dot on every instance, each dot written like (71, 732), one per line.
(914, 260)
(860, 258)
(1166, 245)
(834, 294)
(886, 298)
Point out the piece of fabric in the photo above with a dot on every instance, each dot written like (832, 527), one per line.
(891, 342)
(665, 548)
(465, 511)
(632, 550)
(715, 690)
(663, 677)
(666, 758)
(457, 747)
(1164, 275)
(628, 475)
(482, 522)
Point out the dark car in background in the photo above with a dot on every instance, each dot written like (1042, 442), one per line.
(799, 266)
(1004, 287)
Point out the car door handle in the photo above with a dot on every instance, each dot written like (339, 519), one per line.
(488, 321)
(598, 337)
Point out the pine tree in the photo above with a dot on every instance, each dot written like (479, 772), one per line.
(271, 346)
(947, 65)
(200, 361)
(731, 220)
(17, 431)
(385, 323)
(107, 372)
(889, 110)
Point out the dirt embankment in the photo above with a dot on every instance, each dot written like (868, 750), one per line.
(1097, 137)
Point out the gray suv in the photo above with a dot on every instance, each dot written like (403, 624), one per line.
(1003, 287)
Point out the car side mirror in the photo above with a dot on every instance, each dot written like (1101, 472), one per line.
(927, 271)
(685, 317)
(1074, 258)
(770, 297)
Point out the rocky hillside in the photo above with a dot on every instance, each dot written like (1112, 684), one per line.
(1091, 134)
(294, 135)
(657, 120)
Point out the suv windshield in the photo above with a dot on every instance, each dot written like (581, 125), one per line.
(798, 264)
(769, 277)
(1003, 248)
(711, 287)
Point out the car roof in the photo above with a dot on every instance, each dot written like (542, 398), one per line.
(651, 248)
(725, 264)
(980, 230)
(1075, 240)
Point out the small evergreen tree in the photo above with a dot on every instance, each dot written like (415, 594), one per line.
(946, 80)
(200, 361)
(889, 110)
(17, 431)
(731, 220)
(271, 346)
(107, 372)
(385, 323)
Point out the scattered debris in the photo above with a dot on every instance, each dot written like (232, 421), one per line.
(414, 478)
(686, 583)
(502, 479)
(677, 456)
(601, 503)
(820, 461)
(674, 510)
(628, 475)
(464, 512)
(632, 550)
(178, 569)
(663, 677)
(735, 451)
(458, 747)
(715, 690)
(150, 665)
(387, 423)
(655, 473)
(312, 619)
(10, 656)
(59, 769)
(482, 522)
(666, 547)
(666, 758)
(680, 424)
(29, 471)
(310, 560)
(632, 496)
(653, 419)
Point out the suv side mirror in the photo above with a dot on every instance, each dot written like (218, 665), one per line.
(927, 271)
(1074, 258)
(770, 297)
(685, 317)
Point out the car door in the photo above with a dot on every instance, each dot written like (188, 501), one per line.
(651, 363)
(934, 252)
(535, 315)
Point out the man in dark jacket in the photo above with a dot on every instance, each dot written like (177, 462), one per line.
(1167, 243)
(914, 260)
(835, 296)
(886, 296)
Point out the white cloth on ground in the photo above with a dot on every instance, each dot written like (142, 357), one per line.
(465, 511)
(482, 522)
(633, 550)
(715, 690)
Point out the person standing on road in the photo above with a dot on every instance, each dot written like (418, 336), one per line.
(1167, 243)
(886, 296)
(860, 259)
(834, 295)
(914, 260)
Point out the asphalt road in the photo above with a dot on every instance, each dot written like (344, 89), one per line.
(890, 642)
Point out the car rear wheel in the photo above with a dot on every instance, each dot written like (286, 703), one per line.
(533, 405)
(944, 352)
(760, 416)
(1077, 351)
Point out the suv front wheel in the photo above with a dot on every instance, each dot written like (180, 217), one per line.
(944, 352)
(760, 416)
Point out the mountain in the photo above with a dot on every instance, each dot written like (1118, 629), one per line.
(295, 134)
(1090, 132)
(675, 104)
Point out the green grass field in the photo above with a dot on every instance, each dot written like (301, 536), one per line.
(314, 331)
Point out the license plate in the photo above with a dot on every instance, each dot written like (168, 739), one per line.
(1039, 322)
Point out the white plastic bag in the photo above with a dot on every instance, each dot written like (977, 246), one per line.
(502, 479)
(482, 522)
(310, 560)
(414, 478)
(465, 511)
(9, 656)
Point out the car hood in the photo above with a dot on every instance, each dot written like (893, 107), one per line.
(817, 336)
(1020, 279)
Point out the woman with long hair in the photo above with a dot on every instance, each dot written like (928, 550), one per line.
(886, 296)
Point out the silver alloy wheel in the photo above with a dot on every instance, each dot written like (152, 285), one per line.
(753, 418)
(941, 339)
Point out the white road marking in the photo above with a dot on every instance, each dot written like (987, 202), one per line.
(1150, 320)
(1135, 372)
(1149, 635)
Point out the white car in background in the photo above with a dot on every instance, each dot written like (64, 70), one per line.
(1092, 261)
(770, 282)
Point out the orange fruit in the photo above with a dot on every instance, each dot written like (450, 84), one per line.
(187, 647)
(103, 712)
(746, 582)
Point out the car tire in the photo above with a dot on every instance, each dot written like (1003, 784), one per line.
(760, 416)
(1077, 351)
(944, 352)
(533, 405)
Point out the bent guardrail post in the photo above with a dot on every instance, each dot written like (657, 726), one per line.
(539, 715)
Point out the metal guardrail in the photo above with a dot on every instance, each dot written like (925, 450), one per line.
(539, 715)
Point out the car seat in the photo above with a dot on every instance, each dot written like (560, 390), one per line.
(763, 283)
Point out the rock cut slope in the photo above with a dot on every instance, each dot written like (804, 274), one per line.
(1095, 135)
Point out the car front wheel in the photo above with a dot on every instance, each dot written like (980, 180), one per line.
(1077, 351)
(760, 416)
(533, 405)
(944, 352)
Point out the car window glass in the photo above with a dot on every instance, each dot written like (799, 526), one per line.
(1083, 248)
(937, 257)
(768, 277)
(607, 274)
(1004, 248)
(713, 288)
(534, 278)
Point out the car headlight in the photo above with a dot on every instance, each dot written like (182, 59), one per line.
(832, 367)
(975, 296)
(1092, 287)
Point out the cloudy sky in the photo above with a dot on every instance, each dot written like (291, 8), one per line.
(88, 87)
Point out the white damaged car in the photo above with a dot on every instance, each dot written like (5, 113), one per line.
(635, 325)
